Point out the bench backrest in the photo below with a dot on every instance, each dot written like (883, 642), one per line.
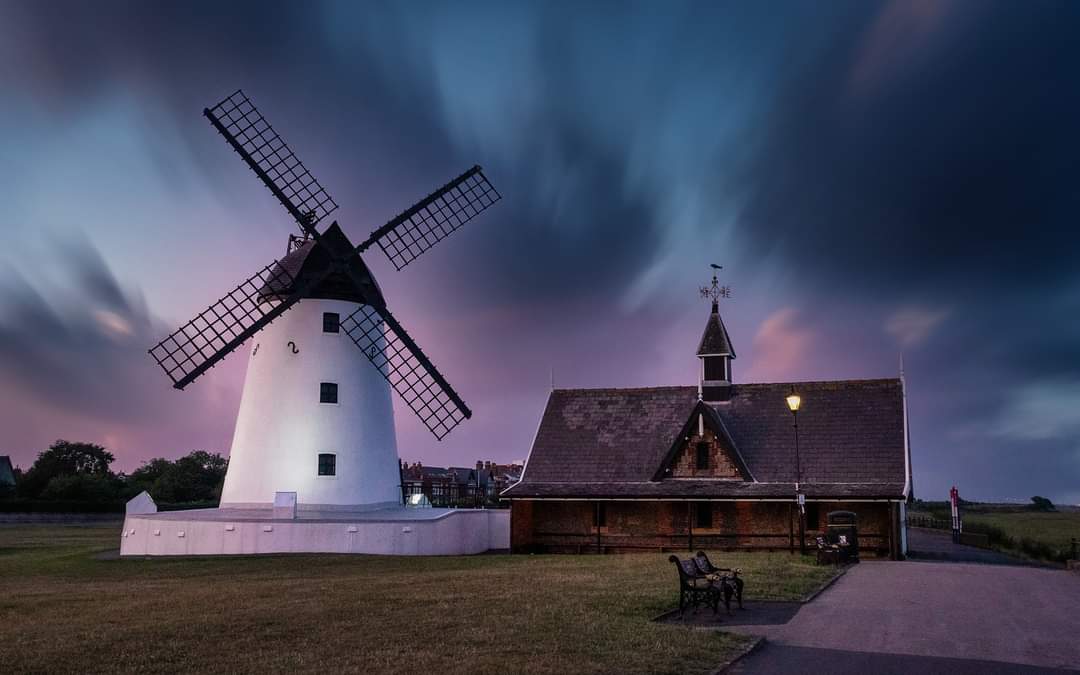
(687, 569)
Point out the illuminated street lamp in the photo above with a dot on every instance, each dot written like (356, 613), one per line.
(794, 402)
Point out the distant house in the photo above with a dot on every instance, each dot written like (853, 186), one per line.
(459, 486)
(714, 465)
(7, 473)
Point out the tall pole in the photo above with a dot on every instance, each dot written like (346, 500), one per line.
(798, 479)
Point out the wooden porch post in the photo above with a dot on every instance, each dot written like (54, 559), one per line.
(894, 530)
(599, 548)
(690, 525)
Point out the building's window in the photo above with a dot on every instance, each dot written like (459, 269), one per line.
(327, 464)
(331, 322)
(813, 512)
(702, 456)
(703, 515)
(328, 392)
(715, 368)
(600, 514)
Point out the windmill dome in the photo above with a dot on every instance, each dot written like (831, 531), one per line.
(309, 261)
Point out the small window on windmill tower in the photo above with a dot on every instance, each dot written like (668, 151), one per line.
(328, 392)
(327, 464)
(702, 458)
(331, 322)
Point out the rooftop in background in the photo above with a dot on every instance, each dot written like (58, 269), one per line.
(7, 473)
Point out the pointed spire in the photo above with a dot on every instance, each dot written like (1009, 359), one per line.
(714, 349)
(715, 340)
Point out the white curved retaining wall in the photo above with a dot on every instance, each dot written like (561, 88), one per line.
(282, 427)
(203, 532)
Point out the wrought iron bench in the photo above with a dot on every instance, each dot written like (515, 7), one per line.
(695, 589)
(727, 577)
(835, 552)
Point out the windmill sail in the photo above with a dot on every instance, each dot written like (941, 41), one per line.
(328, 262)
(222, 327)
(433, 218)
(267, 154)
(405, 366)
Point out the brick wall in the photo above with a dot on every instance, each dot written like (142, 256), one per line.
(559, 526)
(521, 525)
(721, 463)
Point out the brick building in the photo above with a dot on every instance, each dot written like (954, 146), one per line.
(714, 465)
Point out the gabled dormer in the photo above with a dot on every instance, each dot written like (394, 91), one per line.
(716, 354)
(704, 449)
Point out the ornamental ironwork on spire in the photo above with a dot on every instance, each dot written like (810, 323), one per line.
(715, 340)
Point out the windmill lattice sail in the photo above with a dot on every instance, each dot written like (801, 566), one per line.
(225, 325)
(433, 218)
(408, 370)
(325, 266)
(267, 154)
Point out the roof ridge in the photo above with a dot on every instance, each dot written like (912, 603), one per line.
(788, 383)
(670, 387)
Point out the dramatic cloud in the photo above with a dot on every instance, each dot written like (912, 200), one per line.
(912, 325)
(874, 177)
(780, 345)
(1042, 411)
(73, 349)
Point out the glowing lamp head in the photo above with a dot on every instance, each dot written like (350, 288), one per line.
(793, 402)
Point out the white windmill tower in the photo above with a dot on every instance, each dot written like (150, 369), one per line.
(314, 419)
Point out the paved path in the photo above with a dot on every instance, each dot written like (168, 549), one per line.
(947, 617)
(938, 544)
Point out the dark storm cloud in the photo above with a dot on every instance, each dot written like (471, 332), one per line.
(898, 175)
(930, 159)
(945, 156)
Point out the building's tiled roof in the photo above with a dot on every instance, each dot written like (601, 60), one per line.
(607, 434)
(715, 339)
(850, 433)
(465, 475)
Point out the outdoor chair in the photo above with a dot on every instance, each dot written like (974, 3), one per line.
(694, 588)
(727, 577)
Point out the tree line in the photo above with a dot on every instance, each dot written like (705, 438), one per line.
(71, 471)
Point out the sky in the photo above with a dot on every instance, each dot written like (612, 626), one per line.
(876, 178)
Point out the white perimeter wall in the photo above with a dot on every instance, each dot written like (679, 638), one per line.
(281, 427)
(458, 532)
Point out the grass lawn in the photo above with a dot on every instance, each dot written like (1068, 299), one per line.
(1055, 529)
(64, 608)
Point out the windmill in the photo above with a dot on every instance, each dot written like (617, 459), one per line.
(314, 418)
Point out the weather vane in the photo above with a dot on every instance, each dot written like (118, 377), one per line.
(716, 291)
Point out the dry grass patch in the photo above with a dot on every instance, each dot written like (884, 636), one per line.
(64, 609)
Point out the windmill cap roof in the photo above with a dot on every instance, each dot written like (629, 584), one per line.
(309, 261)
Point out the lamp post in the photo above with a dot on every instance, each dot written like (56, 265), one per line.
(794, 402)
